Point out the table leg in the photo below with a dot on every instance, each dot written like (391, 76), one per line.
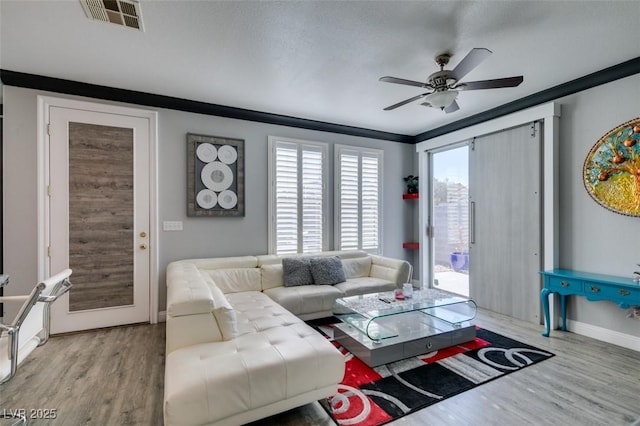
(563, 311)
(544, 297)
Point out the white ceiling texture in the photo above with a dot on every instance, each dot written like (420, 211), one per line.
(321, 60)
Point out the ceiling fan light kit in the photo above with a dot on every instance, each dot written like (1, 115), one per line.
(440, 99)
(445, 84)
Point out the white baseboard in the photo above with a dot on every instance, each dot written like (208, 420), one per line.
(162, 316)
(625, 340)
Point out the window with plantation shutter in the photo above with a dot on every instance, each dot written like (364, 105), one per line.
(358, 198)
(298, 199)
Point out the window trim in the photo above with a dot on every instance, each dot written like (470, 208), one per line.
(337, 210)
(271, 209)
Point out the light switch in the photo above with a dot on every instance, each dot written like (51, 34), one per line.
(172, 225)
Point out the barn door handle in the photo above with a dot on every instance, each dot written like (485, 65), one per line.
(472, 222)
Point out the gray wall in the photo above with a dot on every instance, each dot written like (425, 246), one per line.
(19, 194)
(593, 238)
(233, 236)
(201, 237)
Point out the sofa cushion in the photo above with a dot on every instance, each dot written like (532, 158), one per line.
(258, 312)
(225, 262)
(364, 285)
(187, 330)
(327, 270)
(188, 295)
(269, 259)
(305, 299)
(224, 314)
(272, 276)
(236, 279)
(396, 270)
(272, 259)
(296, 271)
(357, 267)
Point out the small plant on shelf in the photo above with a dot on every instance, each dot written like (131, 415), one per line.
(412, 184)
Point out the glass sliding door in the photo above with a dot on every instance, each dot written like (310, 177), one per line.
(449, 224)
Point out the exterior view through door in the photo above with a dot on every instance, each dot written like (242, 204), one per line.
(99, 215)
(450, 219)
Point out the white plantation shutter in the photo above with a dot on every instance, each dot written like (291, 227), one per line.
(313, 200)
(286, 190)
(298, 196)
(370, 184)
(358, 199)
(349, 193)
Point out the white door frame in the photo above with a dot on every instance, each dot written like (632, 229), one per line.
(44, 103)
(549, 114)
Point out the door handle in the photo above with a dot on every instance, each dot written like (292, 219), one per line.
(472, 222)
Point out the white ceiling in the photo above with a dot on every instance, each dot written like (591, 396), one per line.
(322, 60)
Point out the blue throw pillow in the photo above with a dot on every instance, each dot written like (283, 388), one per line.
(327, 270)
(296, 271)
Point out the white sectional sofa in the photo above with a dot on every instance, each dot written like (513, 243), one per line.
(237, 347)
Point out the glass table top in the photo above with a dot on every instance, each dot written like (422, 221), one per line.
(372, 314)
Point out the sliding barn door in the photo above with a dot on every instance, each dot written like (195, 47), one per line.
(505, 222)
(99, 215)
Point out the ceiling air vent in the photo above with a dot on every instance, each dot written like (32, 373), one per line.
(120, 12)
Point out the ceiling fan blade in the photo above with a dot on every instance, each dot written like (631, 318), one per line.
(472, 60)
(402, 81)
(406, 101)
(452, 108)
(491, 84)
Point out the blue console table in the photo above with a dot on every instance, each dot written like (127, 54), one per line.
(623, 291)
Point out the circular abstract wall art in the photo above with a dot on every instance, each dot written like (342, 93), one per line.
(612, 169)
(215, 176)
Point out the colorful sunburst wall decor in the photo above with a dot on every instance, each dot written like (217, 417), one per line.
(612, 169)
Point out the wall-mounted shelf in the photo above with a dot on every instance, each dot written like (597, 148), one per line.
(411, 196)
(411, 246)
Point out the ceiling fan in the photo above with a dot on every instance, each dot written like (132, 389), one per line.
(445, 84)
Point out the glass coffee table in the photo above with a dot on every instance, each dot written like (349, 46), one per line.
(377, 328)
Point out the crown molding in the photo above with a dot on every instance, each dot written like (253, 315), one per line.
(33, 81)
(69, 87)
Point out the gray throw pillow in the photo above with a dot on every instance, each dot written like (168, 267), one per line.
(296, 271)
(327, 270)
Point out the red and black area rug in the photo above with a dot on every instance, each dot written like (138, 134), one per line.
(374, 396)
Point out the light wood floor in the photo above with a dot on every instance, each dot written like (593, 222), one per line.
(115, 377)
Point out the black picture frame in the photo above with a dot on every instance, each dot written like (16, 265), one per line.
(215, 176)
